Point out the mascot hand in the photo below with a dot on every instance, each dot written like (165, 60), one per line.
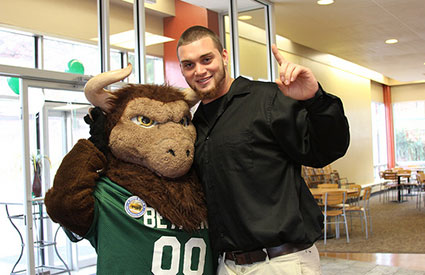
(97, 119)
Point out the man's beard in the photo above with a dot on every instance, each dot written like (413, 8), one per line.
(214, 91)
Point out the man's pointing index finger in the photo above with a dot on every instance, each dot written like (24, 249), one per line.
(277, 55)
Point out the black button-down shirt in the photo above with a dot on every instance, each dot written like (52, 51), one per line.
(248, 155)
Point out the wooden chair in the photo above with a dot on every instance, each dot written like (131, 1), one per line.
(310, 177)
(327, 169)
(354, 198)
(336, 179)
(331, 210)
(325, 186)
(363, 211)
(406, 182)
(382, 185)
(420, 180)
(390, 182)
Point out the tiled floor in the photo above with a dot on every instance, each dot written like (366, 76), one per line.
(335, 266)
(332, 266)
(85, 271)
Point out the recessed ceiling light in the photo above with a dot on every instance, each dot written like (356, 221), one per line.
(391, 41)
(70, 107)
(245, 17)
(147, 1)
(126, 39)
(325, 2)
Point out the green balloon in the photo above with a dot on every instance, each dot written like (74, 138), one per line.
(75, 67)
(13, 83)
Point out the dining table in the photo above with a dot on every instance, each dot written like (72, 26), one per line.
(319, 192)
(399, 185)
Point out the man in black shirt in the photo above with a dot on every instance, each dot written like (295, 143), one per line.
(252, 138)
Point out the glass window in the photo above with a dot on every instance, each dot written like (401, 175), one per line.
(69, 56)
(154, 70)
(409, 132)
(16, 49)
(117, 60)
(379, 138)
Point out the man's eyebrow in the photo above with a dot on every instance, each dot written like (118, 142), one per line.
(202, 56)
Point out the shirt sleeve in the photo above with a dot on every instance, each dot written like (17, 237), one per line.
(314, 132)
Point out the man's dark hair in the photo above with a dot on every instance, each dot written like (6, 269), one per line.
(198, 32)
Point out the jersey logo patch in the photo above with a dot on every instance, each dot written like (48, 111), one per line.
(135, 207)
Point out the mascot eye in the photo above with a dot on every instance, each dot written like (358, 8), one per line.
(144, 121)
(185, 121)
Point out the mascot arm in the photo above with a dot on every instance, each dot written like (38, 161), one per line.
(70, 201)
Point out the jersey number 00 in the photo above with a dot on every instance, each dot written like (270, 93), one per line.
(162, 248)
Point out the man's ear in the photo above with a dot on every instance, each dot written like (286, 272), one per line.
(225, 56)
(190, 96)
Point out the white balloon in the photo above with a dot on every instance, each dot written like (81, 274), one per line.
(35, 100)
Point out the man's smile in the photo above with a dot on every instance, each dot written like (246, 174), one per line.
(204, 80)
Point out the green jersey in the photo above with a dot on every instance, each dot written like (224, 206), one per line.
(132, 238)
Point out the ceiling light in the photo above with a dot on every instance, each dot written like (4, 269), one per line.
(70, 107)
(126, 39)
(245, 17)
(391, 41)
(325, 2)
(146, 1)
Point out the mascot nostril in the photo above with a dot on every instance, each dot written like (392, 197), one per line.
(187, 152)
(171, 152)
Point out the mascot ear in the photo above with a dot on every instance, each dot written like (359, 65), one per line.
(190, 96)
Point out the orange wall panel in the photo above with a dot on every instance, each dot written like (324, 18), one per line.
(389, 126)
(187, 15)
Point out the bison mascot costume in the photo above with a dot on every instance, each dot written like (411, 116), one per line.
(129, 189)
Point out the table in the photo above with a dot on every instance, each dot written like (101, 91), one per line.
(318, 192)
(39, 216)
(399, 193)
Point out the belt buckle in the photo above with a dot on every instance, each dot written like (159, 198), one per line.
(235, 256)
(243, 258)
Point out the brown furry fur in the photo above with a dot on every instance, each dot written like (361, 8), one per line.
(179, 200)
(163, 93)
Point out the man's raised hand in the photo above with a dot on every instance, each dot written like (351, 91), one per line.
(294, 80)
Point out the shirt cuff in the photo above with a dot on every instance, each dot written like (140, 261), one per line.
(316, 98)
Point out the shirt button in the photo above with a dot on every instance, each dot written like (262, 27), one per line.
(207, 138)
(243, 269)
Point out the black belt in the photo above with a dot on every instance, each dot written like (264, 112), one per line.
(241, 258)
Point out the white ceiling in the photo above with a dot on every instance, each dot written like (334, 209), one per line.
(354, 30)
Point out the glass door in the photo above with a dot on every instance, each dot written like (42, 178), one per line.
(54, 119)
(65, 111)
(248, 38)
